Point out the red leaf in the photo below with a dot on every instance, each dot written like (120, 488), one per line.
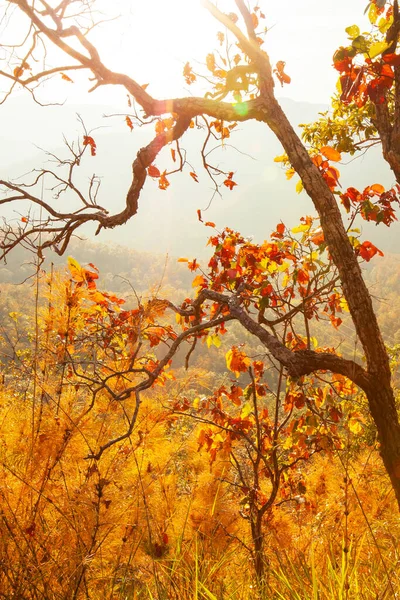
(367, 250)
(229, 183)
(89, 141)
(199, 215)
(153, 171)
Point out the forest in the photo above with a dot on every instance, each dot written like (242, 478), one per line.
(222, 424)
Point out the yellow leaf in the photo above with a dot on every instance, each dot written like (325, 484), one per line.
(246, 410)
(385, 24)
(373, 13)
(282, 158)
(355, 426)
(299, 186)
(301, 228)
(353, 31)
(196, 403)
(289, 173)
(377, 49)
(75, 269)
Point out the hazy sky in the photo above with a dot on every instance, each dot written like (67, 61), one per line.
(152, 40)
(158, 36)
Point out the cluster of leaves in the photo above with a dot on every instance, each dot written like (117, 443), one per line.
(375, 76)
(373, 204)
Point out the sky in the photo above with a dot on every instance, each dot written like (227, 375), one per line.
(152, 39)
(156, 37)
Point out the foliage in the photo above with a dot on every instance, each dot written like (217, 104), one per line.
(105, 493)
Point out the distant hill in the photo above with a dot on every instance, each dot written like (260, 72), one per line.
(167, 220)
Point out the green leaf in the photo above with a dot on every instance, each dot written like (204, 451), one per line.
(360, 44)
(353, 31)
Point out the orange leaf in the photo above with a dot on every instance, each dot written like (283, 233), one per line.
(173, 154)
(378, 188)
(280, 72)
(129, 122)
(331, 153)
(24, 219)
(254, 19)
(145, 86)
(229, 183)
(18, 71)
(194, 176)
(89, 141)
(209, 224)
(188, 74)
(237, 361)
(153, 171)
(199, 215)
(163, 182)
(183, 260)
(66, 78)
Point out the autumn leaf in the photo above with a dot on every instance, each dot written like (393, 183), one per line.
(237, 361)
(377, 188)
(145, 86)
(75, 269)
(66, 78)
(210, 62)
(199, 215)
(173, 154)
(163, 182)
(254, 20)
(230, 184)
(194, 176)
(188, 74)
(89, 141)
(280, 72)
(367, 250)
(331, 153)
(209, 224)
(129, 122)
(24, 219)
(153, 171)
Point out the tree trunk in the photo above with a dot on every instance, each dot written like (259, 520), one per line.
(379, 390)
(258, 543)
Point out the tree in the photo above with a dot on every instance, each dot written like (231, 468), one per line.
(375, 85)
